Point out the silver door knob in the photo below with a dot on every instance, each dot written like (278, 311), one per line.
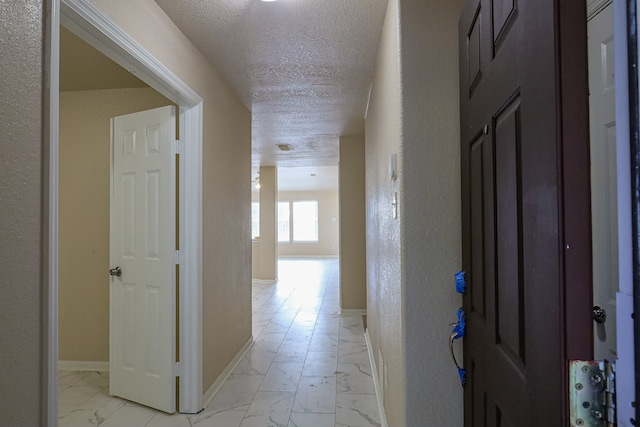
(599, 315)
(115, 272)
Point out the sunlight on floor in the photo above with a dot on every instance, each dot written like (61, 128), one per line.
(308, 367)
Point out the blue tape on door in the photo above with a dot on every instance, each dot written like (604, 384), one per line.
(463, 376)
(458, 331)
(460, 327)
(461, 282)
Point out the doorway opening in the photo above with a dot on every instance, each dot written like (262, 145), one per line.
(610, 86)
(92, 91)
(88, 24)
(604, 196)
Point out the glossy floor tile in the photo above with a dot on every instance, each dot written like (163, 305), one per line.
(308, 367)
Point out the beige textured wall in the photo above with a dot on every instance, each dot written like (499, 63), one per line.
(385, 299)
(411, 261)
(226, 181)
(255, 244)
(327, 244)
(22, 279)
(255, 259)
(353, 277)
(268, 246)
(430, 207)
(83, 284)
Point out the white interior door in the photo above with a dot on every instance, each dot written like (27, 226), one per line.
(143, 233)
(603, 179)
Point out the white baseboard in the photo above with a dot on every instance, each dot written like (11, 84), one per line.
(263, 282)
(353, 311)
(284, 257)
(376, 381)
(79, 365)
(217, 384)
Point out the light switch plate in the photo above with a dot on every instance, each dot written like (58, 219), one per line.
(394, 203)
(393, 174)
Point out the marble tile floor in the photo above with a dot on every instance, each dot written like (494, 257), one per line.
(308, 367)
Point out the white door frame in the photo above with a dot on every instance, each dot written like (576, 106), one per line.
(86, 21)
(625, 383)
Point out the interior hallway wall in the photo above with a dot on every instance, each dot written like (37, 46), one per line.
(255, 259)
(268, 245)
(23, 277)
(411, 260)
(85, 164)
(353, 272)
(430, 206)
(385, 299)
(226, 158)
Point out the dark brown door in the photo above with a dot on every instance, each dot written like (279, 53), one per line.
(521, 111)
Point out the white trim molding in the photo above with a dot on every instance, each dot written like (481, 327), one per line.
(51, 197)
(595, 6)
(217, 384)
(376, 381)
(191, 268)
(263, 282)
(91, 25)
(625, 369)
(353, 311)
(83, 365)
(285, 257)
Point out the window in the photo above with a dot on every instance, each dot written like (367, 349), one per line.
(284, 215)
(298, 221)
(255, 220)
(305, 221)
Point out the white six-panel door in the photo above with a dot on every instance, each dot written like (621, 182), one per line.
(143, 233)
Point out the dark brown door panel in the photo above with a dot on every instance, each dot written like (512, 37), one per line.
(514, 108)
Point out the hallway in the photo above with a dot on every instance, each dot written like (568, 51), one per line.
(308, 366)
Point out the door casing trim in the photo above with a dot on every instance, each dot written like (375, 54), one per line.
(87, 22)
(595, 6)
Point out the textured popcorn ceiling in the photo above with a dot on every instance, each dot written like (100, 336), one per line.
(303, 67)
